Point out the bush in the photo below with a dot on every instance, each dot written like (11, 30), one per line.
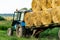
(4, 25)
(50, 32)
(1, 18)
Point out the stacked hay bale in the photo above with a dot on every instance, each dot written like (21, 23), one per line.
(44, 12)
(32, 19)
(28, 19)
(46, 17)
(55, 12)
(36, 19)
(38, 5)
(44, 4)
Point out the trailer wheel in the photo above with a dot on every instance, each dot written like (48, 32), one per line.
(19, 31)
(59, 34)
(9, 32)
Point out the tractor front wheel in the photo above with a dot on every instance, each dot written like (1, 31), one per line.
(9, 32)
(19, 31)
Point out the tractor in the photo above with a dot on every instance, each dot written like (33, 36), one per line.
(18, 23)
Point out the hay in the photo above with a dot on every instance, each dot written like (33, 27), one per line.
(32, 19)
(38, 5)
(27, 19)
(36, 19)
(56, 15)
(42, 3)
(35, 6)
(48, 3)
(46, 18)
(55, 3)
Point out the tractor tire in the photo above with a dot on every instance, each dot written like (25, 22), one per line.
(19, 31)
(59, 34)
(9, 32)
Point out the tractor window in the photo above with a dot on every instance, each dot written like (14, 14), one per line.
(16, 16)
(22, 17)
(19, 16)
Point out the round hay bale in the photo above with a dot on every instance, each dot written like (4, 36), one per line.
(27, 19)
(36, 19)
(35, 5)
(56, 15)
(55, 3)
(46, 17)
(58, 2)
(42, 3)
(33, 19)
(38, 5)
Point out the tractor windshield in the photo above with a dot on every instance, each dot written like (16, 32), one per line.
(17, 16)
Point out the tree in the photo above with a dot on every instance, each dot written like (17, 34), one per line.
(1, 18)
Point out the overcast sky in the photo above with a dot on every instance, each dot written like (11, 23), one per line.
(9, 6)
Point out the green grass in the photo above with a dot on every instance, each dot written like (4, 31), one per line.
(49, 34)
(46, 35)
(3, 36)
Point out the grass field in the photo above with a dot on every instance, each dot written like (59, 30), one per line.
(3, 36)
(46, 35)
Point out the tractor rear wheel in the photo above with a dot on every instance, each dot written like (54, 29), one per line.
(19, 31)
(9, 32)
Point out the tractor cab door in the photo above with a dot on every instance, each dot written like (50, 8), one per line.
(22, 16)
(16, 16)
(19, 16)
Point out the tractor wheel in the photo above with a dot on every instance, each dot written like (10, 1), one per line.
(9, 32)
(19, 31)
(59, 34)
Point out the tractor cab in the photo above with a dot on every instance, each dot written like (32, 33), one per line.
(18, 17)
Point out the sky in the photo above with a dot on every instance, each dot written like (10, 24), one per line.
(9, 6)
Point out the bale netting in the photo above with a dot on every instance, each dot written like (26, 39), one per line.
(55, 12)
(46, 18)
